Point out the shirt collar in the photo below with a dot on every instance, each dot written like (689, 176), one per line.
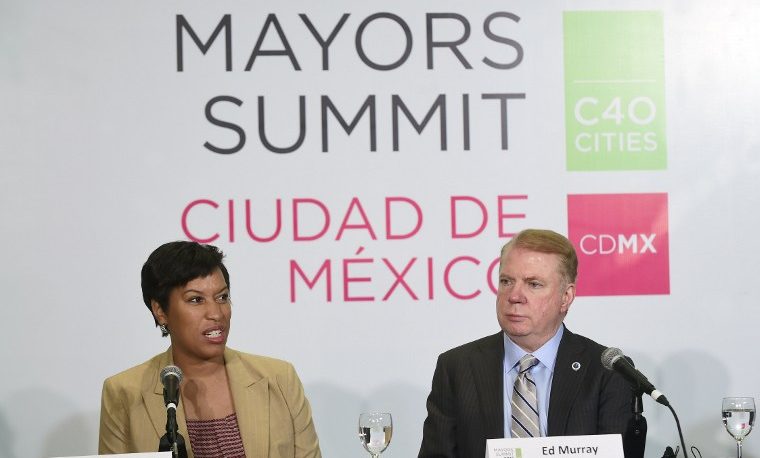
(546, 355)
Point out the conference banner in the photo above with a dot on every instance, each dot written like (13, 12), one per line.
(361, 165)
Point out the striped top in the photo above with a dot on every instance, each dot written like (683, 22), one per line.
(218, 438)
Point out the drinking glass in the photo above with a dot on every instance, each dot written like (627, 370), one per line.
(738, 418)
(375, 431)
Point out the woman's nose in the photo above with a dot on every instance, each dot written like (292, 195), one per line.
(214, 311)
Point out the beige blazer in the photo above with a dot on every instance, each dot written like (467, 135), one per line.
(273, 414)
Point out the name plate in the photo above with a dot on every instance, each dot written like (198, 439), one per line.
(597, 446)
(130, 455)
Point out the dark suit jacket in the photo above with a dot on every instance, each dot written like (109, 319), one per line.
(466, 402)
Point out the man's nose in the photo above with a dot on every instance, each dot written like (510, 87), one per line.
(516, 295)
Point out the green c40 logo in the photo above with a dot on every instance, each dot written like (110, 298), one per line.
(614, 90)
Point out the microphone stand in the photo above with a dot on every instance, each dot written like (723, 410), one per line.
(177, 447)
(635, 439)
(172, 441)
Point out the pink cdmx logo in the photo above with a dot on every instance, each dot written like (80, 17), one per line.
(622, 243)
(605, 244)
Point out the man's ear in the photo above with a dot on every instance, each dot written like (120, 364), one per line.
(568, 296)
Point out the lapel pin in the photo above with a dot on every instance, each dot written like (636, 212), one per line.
(576, 366)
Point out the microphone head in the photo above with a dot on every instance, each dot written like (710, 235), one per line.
(609, 356)
(170, 371)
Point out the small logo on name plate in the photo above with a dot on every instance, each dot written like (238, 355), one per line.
(508, 452)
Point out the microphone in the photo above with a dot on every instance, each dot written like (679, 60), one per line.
(613, 359)
(172, 441)
(171, 376)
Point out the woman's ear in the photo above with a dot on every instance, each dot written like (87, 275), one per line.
(158, 312)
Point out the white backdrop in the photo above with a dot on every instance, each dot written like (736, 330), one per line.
(102, 151)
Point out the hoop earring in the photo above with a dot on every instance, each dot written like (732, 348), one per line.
(164, 329)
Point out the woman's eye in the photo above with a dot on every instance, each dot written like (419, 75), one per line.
(195, 300)
(223, 299)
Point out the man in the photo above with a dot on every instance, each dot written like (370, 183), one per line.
(493, 387)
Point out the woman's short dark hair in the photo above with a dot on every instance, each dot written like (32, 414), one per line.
(175, 264)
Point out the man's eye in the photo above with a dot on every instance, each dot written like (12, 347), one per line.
(535, 284)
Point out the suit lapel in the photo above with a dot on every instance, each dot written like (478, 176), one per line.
(488, 371)
(250, 395)
(566, 381)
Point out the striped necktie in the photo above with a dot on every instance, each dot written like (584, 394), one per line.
(524, 402)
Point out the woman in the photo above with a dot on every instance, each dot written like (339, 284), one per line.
(232, 404)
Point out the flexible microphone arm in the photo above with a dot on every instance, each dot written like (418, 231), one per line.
(680, 434)
(614, 360)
